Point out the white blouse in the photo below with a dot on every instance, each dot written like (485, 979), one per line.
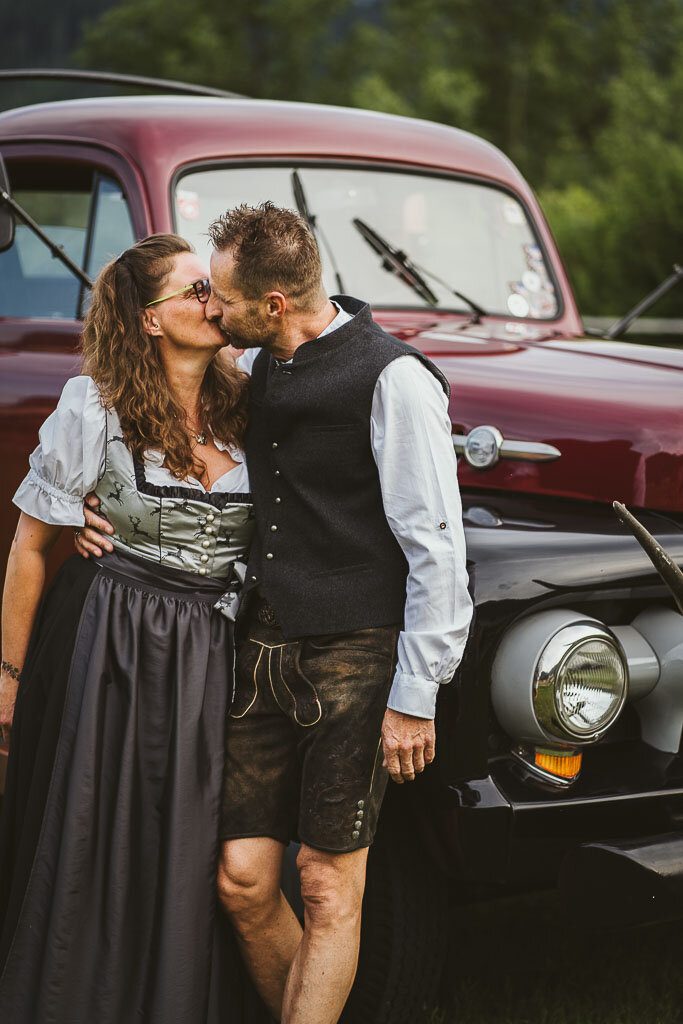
(70, 457)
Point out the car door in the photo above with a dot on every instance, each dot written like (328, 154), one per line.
(88, 202)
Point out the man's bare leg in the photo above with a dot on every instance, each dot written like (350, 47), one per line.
(268, 932)
(325, 963)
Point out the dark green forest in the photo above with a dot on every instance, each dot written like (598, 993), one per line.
(585, 96)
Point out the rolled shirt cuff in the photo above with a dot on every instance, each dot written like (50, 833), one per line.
(37, 498)
(412, 695)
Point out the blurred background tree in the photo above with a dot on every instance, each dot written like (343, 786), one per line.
(584, 95)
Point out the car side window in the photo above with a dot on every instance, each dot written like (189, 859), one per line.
(80, 209)
(112, 227)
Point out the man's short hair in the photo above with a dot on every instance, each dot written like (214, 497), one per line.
(274, 250)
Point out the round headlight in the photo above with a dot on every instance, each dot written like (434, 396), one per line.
(580, 682)
(590, 687)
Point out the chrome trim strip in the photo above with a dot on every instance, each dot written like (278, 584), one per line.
(526, 451)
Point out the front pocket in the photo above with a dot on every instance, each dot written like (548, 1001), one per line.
(249, 658)
(301, 694)
(379, 641)
(327, 427)
(342, 570)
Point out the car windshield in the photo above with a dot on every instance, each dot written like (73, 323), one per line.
(475, 237)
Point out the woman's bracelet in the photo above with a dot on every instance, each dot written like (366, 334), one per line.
(11, 670)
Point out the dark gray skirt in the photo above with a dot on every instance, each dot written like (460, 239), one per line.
(109, 840)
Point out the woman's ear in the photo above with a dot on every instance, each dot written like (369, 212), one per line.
(150, 323)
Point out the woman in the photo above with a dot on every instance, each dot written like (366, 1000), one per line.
(110, 826)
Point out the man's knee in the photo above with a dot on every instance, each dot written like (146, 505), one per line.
(248, 882)
(331, 886)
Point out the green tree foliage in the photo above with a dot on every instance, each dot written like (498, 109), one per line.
(262, 48)
(584, 95)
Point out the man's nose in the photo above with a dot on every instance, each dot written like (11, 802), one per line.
(212, 309)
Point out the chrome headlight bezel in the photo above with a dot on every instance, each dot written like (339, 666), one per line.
(524, 677)
(548, 672)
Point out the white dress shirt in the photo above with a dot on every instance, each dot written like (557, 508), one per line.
(410, 432)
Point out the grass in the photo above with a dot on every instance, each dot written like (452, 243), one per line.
(520, 961)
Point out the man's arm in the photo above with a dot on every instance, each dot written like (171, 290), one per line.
(413, 449)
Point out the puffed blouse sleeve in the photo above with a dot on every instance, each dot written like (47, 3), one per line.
(69, 459)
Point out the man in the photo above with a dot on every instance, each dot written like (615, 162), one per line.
(355, 606)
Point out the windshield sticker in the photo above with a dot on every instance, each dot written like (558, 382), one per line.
(531, 281)
(188, 204)
(512, 211)
(517, 304)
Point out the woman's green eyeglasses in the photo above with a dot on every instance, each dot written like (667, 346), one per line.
(201, 288)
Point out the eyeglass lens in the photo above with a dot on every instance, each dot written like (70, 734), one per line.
(202, 290)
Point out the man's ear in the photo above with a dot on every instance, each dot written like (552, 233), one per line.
(276, 304)
(150, 323)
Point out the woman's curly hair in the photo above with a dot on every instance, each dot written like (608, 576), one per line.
(125, 363)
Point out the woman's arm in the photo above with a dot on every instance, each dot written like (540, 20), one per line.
(23, 587)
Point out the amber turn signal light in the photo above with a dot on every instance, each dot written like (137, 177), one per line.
(564, 766)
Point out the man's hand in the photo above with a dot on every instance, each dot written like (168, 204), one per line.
(409, 744)
(89, 540)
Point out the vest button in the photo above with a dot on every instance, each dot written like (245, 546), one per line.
(202, 571)
(253, 579)
(277, 472)
(278, 500)
(274, 444)
(273, 529)
(210, 518)
(204, 558)
(209, 530)
(355, 835)
(270, 555)
(206, 543)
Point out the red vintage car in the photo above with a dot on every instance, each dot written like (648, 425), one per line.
(560, 739)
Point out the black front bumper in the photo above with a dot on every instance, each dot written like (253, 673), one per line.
(513, 834)
(625, 883)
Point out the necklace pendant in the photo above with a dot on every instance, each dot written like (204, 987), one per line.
(200, 438)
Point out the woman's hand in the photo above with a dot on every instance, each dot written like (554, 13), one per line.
(8, 697)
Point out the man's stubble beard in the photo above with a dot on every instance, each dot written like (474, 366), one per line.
(254, 332)
(258, 337)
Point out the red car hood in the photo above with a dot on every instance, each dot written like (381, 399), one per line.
(613, 409)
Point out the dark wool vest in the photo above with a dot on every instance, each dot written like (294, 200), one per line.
(323, 553)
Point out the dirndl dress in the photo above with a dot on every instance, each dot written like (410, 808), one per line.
(109, 837)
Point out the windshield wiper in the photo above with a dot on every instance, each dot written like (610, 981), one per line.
(397, 262)
(312, 221)
(620, 328)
